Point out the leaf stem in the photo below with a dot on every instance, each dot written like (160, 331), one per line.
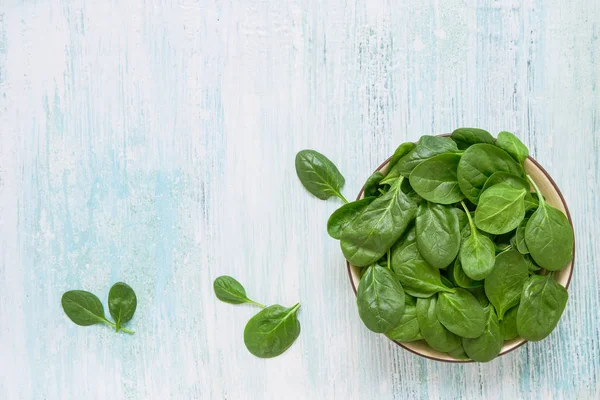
(127, 331)
(471, 223)
(341, 196)
(107, 322)
(537, 189)
(389, 264)
(255, 303)
(509, 248)
(295, 308)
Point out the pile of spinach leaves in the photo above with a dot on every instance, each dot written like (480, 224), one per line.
(455, 247)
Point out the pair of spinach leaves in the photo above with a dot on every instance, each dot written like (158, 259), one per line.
(451, 241)
(85, 308)
(270, 332)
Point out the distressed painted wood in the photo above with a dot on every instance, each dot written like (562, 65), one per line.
(153, 142)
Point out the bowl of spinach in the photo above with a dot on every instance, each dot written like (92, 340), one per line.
(459, 247)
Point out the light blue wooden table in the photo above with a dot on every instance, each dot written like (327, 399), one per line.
(153, 142)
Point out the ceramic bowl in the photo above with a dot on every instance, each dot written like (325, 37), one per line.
(553, 197)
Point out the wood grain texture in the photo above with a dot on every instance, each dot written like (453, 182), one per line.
(153, 142)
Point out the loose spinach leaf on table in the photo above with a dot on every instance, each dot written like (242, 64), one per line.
(504, 285)
(380, 299)
(319, 175)
(371, 233)
(418, 278)
(435, 179)
(477, 255)
(542, 303)
(465, 137)
(478, 163)
(513, 146)
(508, 325)
(501, 209)
(461, 313)
(520, 244)
(83, 308)
(393, 173)
(438, 234)
(272, 331)
(122, 303)
(407, 329)
(487, 346)
(343, 215)
(549, 236)
(371, 187)
(427, 147)
(230, 291)
(434, 333)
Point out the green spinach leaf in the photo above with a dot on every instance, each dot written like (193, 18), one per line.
(427, 147)
(371, 233)
(434, 333)
(508, 325)
(514, 181)
(83, 308)
(380, 299)
(319, 175)
(438, 234)
(503, 286)
(542, 303)
(461, 313)
(486, 347)
(513, 146)
(393, 172)
(520, 244)
(343, 215)
(501, 209)
(407, 329)
(477, 255)
(549, 236)
(458, 276)
(465, 137)
(435, 179)
(231, 291)
(371, 187)
(459, 353)
(122, 303)
(272, 331)
(478, 163)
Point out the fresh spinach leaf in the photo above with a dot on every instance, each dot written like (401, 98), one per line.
(501, 209)
(427, 147)
(513, 146)
(459, 277)
(487, 346)
(407, 329)
(272, 331)
(477, 255)
(520, 244)
(531, 203)
(503, 286)
(380, 299)
(508, 325)
(435, 179)
(122, 303)
(418, 278)
(371, 187)
(542, 303)
(461, 313)
(371, 233)
(319, 175)
(231, 291)
(84, 309)
(343, 215)
(465, 137)
(514, 181)
(438, 235)
(434, 333)
(549, 236)
(531, 265)
(478, 163)
(393, 172)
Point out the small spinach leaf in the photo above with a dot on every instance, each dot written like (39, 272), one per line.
(549, 236)
(513, 146)
(438, 235)
(461, 313)
(380, 299)
(83, 308)
(520, 237)
(486, 347)
(478, 163)
(272, 331)
(503, 286)
(465, 137)
(501, 209)
(434, 333)
(477, 255)
(319, 175)
(435, 179)
(542, 303)
(459, 277)
(407, 329)
(343, 215)
(231, 291)
(122, 303)
(371, 233)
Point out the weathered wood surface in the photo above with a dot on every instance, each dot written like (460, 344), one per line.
(153, 142)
